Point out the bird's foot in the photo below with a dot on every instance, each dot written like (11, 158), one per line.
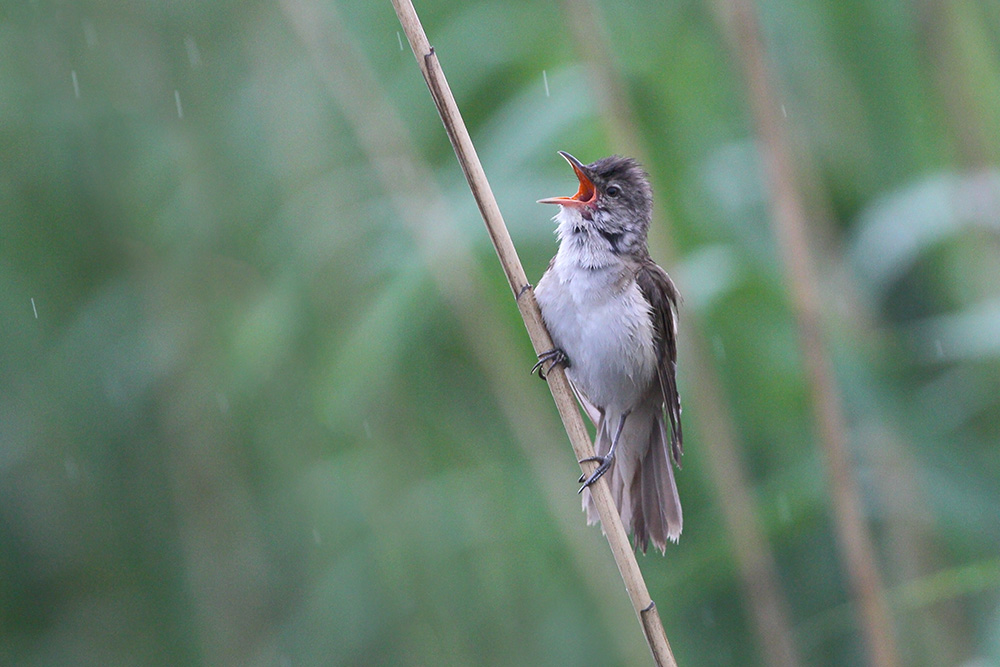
(552, 357)
(605, 465)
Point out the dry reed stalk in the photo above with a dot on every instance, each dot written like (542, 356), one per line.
(415, 198)
(739, 19)
(558, 384)
(763, 597)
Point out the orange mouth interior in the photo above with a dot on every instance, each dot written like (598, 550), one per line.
(587, 191)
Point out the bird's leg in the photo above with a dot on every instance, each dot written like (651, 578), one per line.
(552, 357)
(605, 461)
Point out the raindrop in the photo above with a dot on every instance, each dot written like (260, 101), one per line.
(194, 55)
(76, 84)
(783, 112)
(33, 309)
(177, 99)
(72, 471)
(399, 38)
(545, 80)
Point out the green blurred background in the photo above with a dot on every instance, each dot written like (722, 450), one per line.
(265, 395)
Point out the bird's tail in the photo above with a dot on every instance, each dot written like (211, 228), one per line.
(642, 481)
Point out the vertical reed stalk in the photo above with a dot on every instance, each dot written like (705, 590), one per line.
(558, 383)
(415, 198)
(739, 19)
(762, 597)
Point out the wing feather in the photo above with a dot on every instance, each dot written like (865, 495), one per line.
(663, 297)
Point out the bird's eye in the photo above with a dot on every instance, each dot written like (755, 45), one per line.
(613, 190)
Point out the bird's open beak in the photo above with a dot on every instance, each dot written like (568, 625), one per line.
(587, 192)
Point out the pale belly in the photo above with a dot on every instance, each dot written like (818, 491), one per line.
(607, 335)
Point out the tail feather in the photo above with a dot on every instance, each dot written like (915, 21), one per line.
(649, 508)
(668, 502)
(648, 502)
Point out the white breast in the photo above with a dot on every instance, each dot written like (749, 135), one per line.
(600, 319)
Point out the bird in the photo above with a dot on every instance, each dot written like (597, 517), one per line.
(611, 312)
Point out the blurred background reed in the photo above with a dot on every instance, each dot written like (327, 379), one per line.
(264, 392)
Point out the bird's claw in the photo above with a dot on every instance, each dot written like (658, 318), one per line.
(605, 465)
(552, 357)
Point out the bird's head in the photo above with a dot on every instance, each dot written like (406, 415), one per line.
(613, 205)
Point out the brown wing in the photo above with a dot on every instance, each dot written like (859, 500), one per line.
(663, 297)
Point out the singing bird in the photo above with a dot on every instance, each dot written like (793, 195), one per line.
(612, 315)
